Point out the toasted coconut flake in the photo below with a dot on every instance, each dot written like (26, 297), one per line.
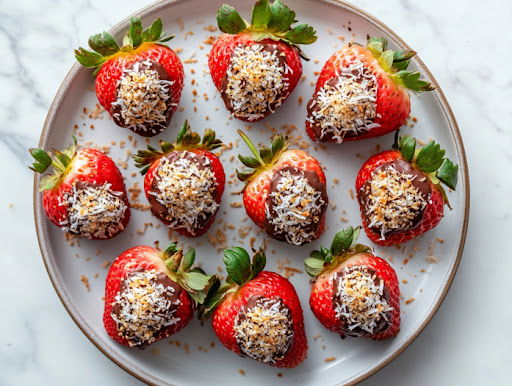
(264, 331)
(394, 201)
(347, 107)
(360, 300)
(296, 205)
(187, 191)
(256, 82)
(145, 308)
(94, 211)
(143, 98)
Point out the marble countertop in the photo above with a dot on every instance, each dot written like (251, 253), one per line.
(465, 44)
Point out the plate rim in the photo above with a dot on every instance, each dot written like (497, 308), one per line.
(143, 375)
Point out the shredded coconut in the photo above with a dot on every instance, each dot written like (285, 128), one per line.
(255, 81)
(296, 206)
(145, 308)
(264, 331)
(187, 191)
(349, 106)
(394, 202)
(94, 211)
(143, 98)
(360, 300)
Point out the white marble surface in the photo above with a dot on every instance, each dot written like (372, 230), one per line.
(467, 47)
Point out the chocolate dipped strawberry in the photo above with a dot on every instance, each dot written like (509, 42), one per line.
(184, 181)
(285, 192)
(151, 294)
(255, 66)
(85, 193)
(355, 293)
(362, 92)
(139, 84)
(257, 313)
(400, 191)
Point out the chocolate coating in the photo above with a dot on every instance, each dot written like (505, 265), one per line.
(160, 210)
(313, 181)
(152, 129)
(401, 166)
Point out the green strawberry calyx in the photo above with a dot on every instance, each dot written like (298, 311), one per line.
(431, 160)
(180, 269)
(105, 47)
(186, 140)
(241, 270)
(58, 161)
(262, 158)
(395, 63)
(269, 20)
(343, 246)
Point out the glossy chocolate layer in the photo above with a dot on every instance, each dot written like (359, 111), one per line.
(420, 182)
(159, 209)
(151, 129)
(313, 181)
(382, 324)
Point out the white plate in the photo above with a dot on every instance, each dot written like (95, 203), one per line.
(166, 363)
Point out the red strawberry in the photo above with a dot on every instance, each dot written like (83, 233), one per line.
(355, 293)
(85, 194)
(362, 93)
(184, 181)
(257, 313)
(256, 66)
(285, 192)
(140, 83)
(400, 193)
(150, 294)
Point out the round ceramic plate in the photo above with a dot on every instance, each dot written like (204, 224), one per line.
(425, 266)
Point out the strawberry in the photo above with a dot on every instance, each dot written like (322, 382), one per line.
(139, 83)
(400, 193)
(355, 293)
(151, 294)
(256, 313)
(362, 93)
(85, 193)
(285, 192)
(184, 181)
(256, 66)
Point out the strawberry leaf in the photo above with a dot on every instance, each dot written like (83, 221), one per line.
(430, 157)
(258, 263)
(250, 162)
(407, 146)
(313, 266)
(301, 34)
(261, 15)
(195, 280)
(448, 173)
(412, 81)
(343, 240)
(402, 55)
(89, 59)
(188, 260)
(43, 160)
(104, 44)
(282, 17)
(238, 264)
(134, 36)
(229, 20)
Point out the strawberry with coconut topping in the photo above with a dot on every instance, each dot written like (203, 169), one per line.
(285, 192)
(139, 83)
(257, 65)
(362, 92)
(151, 294)
(85, 193)
(184, 181)
(400, 193)
(355, 293)
(257, 314)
